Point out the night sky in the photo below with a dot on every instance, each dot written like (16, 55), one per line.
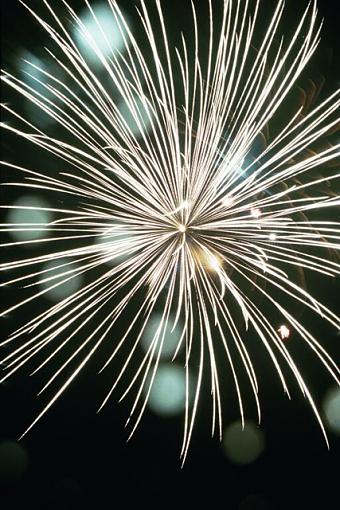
(77, 459)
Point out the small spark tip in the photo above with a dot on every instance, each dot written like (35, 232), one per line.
(255, 212)
(284, 332)
(227, 201)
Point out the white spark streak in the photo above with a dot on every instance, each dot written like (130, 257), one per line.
(176, 203)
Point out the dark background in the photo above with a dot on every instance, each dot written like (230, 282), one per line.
(80, 459)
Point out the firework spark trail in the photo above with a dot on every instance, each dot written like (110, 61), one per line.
(179, 207)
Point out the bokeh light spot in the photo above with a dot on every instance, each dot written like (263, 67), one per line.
(104, 32)
(29, 217)
(171, 338)
(115, 244)
(65, 289)
(167, 396)
(13, 462)
(243, 446)
(331, 407)
(32, 70)
(66, 494)
(140, 116)
(255, 502)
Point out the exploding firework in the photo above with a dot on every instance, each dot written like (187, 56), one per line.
(165, 204)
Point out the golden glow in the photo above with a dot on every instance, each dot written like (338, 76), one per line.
(211, 261)
(214, 263)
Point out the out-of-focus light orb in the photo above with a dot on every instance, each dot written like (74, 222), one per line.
(29, 217)
(114, 245)
(243, 446)
(103, 31)
(331, 408)
(65, 289)
(32, 72)
(171, 338)
(31, 69)
(141, 113)
(66, 494)
(13, 462)
(167, 396)
(255, 502)
(37, 116)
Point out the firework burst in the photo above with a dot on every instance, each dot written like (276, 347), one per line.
(173, 210)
